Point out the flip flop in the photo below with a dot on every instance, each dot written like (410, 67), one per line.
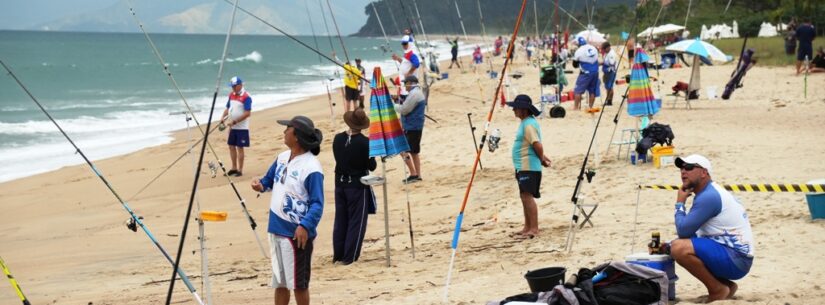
(524, 236)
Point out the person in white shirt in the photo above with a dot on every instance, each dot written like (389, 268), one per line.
(609, 66)
(587, 58)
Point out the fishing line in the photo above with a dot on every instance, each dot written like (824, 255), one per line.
(326, 27)
(200, 158)
(460, 217)
(168, 73)
(335, 23)
(134, 218)
(312, 27)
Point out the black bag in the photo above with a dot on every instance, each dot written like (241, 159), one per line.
(654, 134)
(621, 288)
(548, 75)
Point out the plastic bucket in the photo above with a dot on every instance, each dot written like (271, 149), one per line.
(493, 74)
(545, 279)
(816, 201)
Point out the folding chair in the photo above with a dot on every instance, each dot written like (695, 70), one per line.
(629, 138)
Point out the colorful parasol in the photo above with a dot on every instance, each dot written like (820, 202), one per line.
(386, 139)
(640, 98)
(386, 136)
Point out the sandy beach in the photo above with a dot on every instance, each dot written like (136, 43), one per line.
(64, 238)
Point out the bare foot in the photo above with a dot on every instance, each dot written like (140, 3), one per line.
(720, 294)
(733, 287)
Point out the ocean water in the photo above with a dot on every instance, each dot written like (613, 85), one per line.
(110, 94)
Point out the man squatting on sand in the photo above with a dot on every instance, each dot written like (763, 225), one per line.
(715, 241)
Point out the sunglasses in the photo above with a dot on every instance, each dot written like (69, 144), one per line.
(690, 166)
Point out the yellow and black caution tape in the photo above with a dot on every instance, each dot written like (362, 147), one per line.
(14, 282)
(759, 188)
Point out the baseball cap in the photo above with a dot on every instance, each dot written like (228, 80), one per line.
(299, 122)
(406, 39)
(235, 81)
(412, 79)
(581, 41)
(523, 101)
(694, 159)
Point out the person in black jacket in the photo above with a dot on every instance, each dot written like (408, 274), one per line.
(353, 200)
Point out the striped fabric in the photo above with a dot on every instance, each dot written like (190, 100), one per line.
(386, 136)
(640, 98)
(761, 188)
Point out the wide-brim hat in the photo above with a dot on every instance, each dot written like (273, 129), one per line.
(308, 136)
(357, 119)
(523, 101)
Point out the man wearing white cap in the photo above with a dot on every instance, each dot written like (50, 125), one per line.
(587, 58)
(236, 115)
(715, 241)
(409, 63)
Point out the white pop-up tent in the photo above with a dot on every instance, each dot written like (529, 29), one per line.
(661, 30)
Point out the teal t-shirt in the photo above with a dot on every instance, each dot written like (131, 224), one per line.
(524, 156)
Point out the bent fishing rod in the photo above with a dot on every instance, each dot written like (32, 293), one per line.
(335, 62)
(134, 218)
(200, 157)
(14, 283)
(168, 73)
(460, 217)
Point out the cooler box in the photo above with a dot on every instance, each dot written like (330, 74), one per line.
(816, 201)
(659, 262)
(662, 155)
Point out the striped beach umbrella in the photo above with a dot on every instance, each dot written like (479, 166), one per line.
(386, 139)
(640, 98)
(386, 136)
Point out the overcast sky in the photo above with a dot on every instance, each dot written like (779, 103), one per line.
(29, 14)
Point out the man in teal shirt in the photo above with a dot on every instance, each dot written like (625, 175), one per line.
(528, 159)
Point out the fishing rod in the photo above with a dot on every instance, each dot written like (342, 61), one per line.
(326, 27)
(346, 54)
(583, 172)
(460, 217)
(484, 35)
(380, 24)
(312, 27)
(135, 220)
(423, 59)
(460, 20)
(200, 157)
(14, 283)
(168, 73)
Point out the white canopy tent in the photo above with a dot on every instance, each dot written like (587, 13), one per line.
(720, 31)
(661, 30)
(769, 30)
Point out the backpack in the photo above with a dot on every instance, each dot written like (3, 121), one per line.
(630, 284)
(654, 134)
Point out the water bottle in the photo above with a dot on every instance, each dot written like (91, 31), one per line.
(633, 157)
(495, 137)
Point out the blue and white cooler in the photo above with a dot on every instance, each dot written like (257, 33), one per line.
(661, 262)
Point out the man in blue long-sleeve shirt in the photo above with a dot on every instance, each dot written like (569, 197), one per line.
(297, 183)
(715, 241)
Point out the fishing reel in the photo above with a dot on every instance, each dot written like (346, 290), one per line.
(495, 137)
(132, 224)
(213, 168)
(589, 174)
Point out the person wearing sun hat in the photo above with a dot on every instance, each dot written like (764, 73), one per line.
(528, 160)
(296, 181)
(715, 242)
(353, 200)
(236, 116)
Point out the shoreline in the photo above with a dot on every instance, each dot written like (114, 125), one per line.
(65, 240)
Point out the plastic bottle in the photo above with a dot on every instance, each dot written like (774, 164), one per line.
(633, 157)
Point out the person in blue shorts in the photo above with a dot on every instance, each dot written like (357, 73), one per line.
(805, 33)
(236, 116)
(715, 241)
(586, 58)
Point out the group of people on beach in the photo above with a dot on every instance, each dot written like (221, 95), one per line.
(714, 243)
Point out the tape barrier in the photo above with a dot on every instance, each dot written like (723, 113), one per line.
(756, 188)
